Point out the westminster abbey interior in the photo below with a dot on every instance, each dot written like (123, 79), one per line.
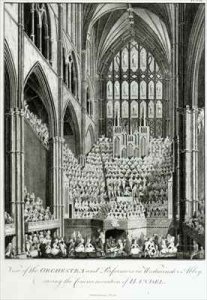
(104, 130)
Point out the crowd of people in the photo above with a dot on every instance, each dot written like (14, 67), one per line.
(126, 209)
(104, 177)
(145, 178)
(155, 209)
(149, 247)
(86, 184)
(34, 209)
(8, 219)
(42, 244)
(38, 126)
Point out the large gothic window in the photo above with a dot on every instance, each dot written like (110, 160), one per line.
(134, 80)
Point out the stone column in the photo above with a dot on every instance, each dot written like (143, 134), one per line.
(59, 138)
(17, 144)
(195, 158)
(19, 178)
(79, 27)
(101, 106)
(83, 101)
(54, 175)
(39, 37)
(56, 180)
(69, 76)
(47, 42)
(188, 163)
(66, 73)
(98, 104)
(175, 119)
(16, 120)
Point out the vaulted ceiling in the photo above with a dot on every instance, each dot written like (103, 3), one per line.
(114, 24)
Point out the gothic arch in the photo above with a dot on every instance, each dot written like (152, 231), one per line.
(90, 132)
(150, 45)
(43, 90)
(10, 68)
(74, 123)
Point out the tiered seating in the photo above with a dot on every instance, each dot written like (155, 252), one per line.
(145, 178)
(87, 185)
(40, 128)
(34, 210)
(126, 209)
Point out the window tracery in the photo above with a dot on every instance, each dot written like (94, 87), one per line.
(134, 80)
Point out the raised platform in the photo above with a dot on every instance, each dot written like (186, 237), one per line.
(42, 225)
(87, 227)
(134, 227)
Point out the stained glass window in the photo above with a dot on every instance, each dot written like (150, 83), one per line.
(125, 59)
(134, 109)
(134, 88)
(109, 90)
(109, 109)
(143, 93)
(159, 90)
(117, 109)
(125, 90)
(151, 90)
(159, 109)
(143, 59)
(117, 90)
(151, 110)
(125, 109)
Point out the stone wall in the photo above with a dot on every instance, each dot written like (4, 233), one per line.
(35, 166)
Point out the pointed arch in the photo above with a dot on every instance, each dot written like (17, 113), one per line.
(43, 90)
(90, 137)
(10, 69)
(73, 123)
